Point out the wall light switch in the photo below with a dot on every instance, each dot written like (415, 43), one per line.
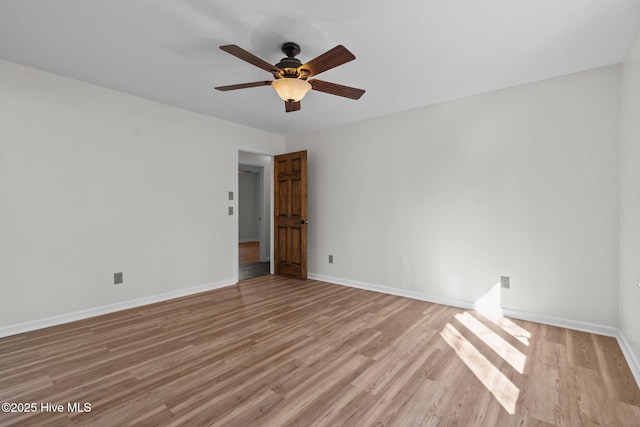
(330, 259)
(117, 278)
(230, 195)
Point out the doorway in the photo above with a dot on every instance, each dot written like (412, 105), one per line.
(254, 191)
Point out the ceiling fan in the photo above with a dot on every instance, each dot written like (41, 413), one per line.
(290, 74)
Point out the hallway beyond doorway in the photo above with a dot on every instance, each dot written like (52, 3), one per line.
(249, 260)
(248, 252)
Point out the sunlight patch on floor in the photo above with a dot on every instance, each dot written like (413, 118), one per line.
(511, 328)
(505, 392)
(498, 344)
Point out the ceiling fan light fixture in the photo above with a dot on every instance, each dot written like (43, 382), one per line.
(289, 88)
(290, 74)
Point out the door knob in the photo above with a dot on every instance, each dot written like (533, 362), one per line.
(304, 221)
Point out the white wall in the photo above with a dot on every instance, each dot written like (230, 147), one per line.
(444, 199)
(630, 197)
(93, 182)
(441, 200)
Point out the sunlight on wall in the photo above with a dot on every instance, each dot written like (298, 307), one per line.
(490, 302)
(505, 392)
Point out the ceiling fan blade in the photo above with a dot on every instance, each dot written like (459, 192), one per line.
(240, 53)
(328, 60)
(290, 106)
(243, 86)
(336, 89)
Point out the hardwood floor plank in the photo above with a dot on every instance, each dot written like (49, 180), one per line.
(617, 376)
(313, 396)
(583, 351)
(276, 351)
(248, 252)
(420, 408)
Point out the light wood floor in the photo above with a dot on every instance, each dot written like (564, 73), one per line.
(280, 352)
(248, 252)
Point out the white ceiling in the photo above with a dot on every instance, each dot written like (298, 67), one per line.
(409, 53)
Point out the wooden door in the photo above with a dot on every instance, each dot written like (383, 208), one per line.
(290, 214)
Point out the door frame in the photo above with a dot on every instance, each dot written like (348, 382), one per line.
(234, 203)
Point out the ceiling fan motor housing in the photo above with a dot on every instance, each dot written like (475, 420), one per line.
(289, 66)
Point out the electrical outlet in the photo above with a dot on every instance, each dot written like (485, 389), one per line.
(505, 282)
(117, 278)
(230, 210)
(330, 259)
